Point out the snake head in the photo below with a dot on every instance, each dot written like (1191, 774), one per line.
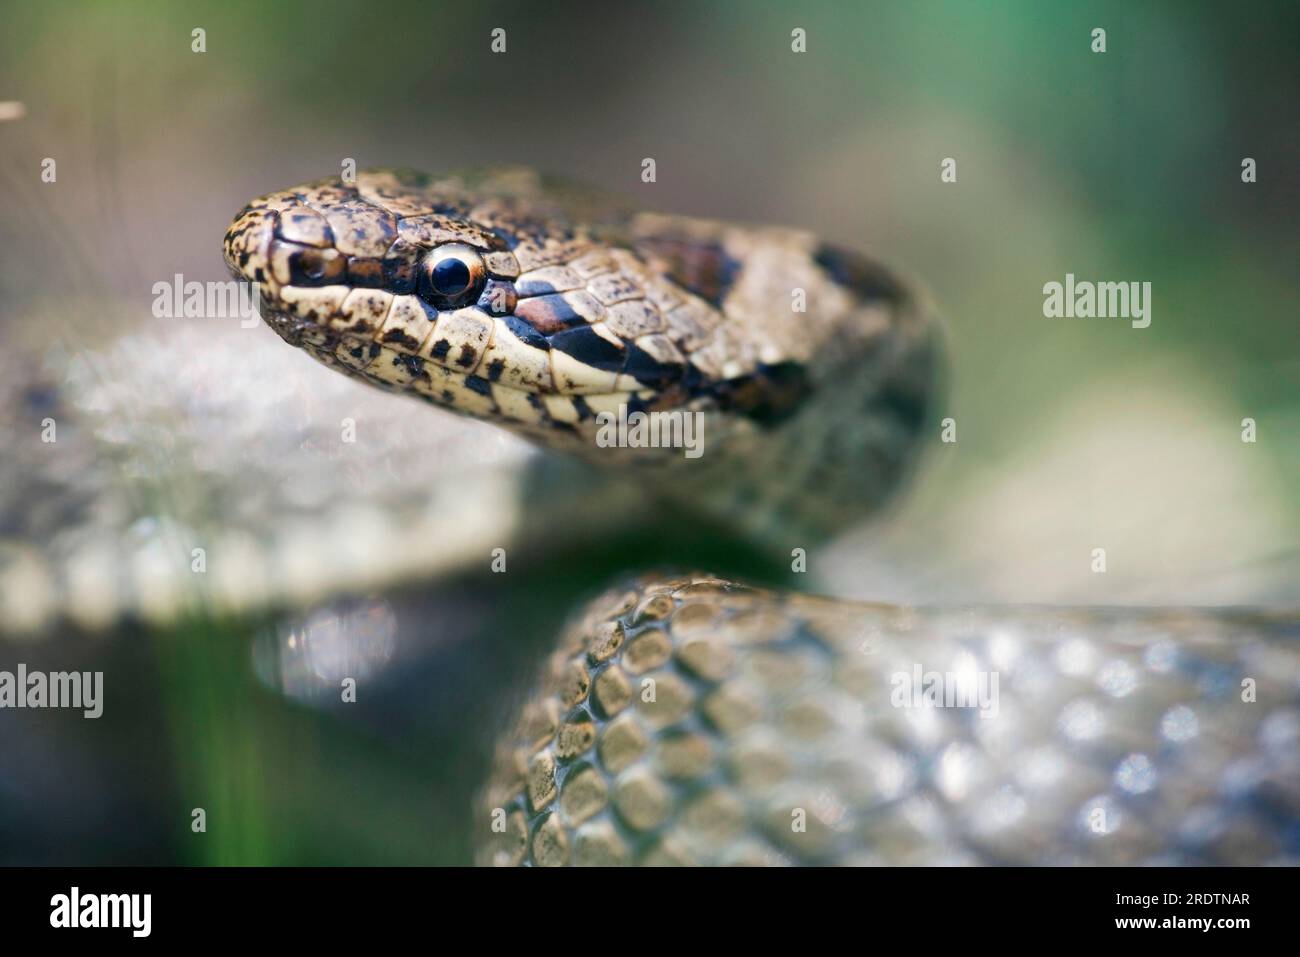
(502, 296)
(475, 293)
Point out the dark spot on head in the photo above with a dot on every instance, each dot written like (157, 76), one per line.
(498, 297)
(399, 276)
(702, 268)
(548, 314)
(402, 338)
(581, 407)
(769, 395)
(367, 273)
(440, 349)
(590, 348)
(478, 384)
(855, 272)
(529, 285)
(375, 349)
(414, 365)
(495, 368)
(648, 370)
(526, 333)
(468, 356)
(506, 238)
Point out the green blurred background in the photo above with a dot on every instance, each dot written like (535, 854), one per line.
(1117, 166)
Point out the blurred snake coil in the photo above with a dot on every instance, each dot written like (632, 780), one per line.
(684, 718)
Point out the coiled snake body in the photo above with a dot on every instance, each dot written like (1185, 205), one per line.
(683, 719)
(693, 720)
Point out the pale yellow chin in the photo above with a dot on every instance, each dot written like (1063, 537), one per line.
(466, 360)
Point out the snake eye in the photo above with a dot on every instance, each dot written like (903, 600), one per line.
(452, 275)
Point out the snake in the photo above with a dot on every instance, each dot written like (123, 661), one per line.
(683, 717)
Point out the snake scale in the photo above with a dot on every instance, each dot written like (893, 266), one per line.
(683, 718)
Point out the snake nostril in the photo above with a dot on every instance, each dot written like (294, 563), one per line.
(295, 265)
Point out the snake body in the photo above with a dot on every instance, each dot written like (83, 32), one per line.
(692, 720)
(695, 720)
(682, 719)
